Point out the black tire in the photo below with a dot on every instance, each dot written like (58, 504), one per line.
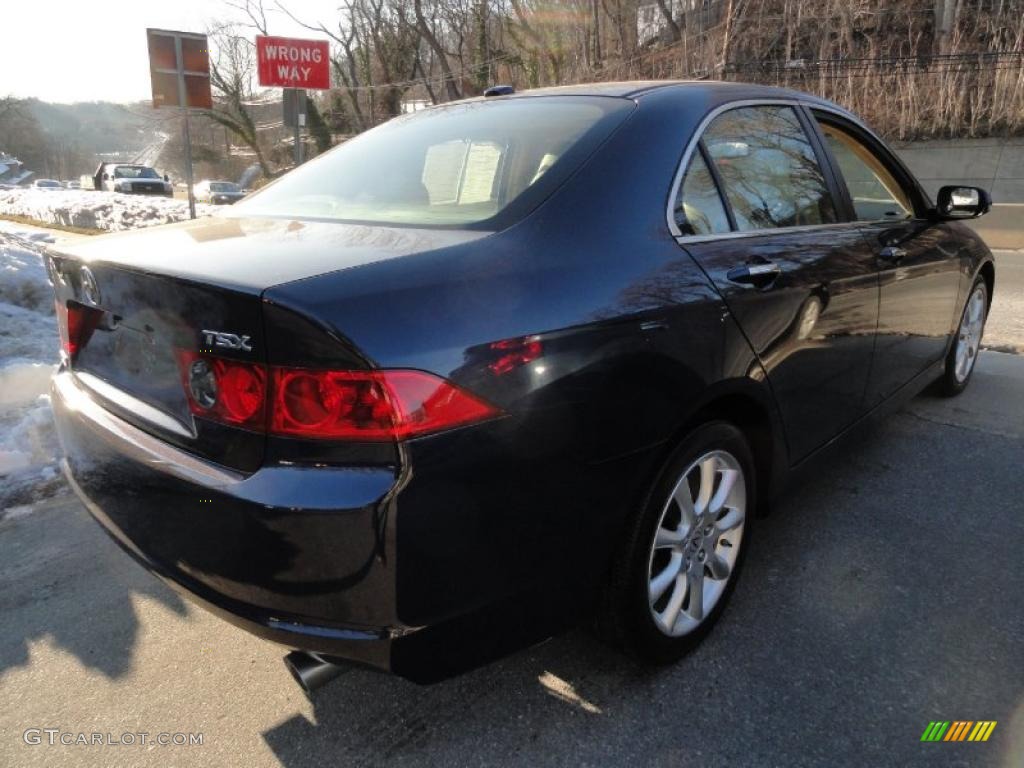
(625, 617)
(951, 385)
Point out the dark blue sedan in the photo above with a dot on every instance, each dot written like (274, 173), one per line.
(506, 364)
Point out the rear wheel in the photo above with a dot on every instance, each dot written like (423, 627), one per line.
(682, 555)
(963, 353)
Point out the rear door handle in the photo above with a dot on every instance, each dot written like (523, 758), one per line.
(754, 274)
(892, 254)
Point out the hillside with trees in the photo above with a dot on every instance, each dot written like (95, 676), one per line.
(915, 69)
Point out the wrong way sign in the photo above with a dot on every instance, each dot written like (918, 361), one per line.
(288, 62)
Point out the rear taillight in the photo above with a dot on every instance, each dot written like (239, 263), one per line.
(369, 405)
(76, 323)
(331, 405)
(225, 390)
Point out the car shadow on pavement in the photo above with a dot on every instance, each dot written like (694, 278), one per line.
(82, 590)
(854, 625)
(569, 693)
(369, 718)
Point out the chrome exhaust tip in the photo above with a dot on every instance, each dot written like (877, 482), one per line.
(310, 671)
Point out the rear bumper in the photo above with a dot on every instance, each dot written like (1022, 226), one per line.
(424, 572)
(319, 578)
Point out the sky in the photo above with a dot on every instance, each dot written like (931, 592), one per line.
(95, 50)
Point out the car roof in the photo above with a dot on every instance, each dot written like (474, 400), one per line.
(719, 90)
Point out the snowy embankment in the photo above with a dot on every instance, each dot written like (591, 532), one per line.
(109, 211)
(28, 354)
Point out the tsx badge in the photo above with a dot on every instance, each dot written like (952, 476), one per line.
(227, 340)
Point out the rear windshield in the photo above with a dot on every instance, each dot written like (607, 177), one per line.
(481, 164)
(223, 186)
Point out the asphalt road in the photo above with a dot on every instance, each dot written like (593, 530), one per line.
(885, 592)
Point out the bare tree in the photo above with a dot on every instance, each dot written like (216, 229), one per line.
(231, 78)
(386, 53)
(423, 25)
(670, 22)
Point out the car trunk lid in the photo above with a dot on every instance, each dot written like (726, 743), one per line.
(142, 305)
(125, 333)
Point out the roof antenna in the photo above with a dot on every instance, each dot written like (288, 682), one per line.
(500, 90)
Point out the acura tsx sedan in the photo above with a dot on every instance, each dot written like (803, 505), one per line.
(506, 364)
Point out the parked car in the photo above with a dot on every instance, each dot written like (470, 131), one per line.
(500, 365)
(46, 184)
(72, 185)
(131, 179)
(218, 192)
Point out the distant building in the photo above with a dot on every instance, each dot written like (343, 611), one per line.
(414, 105)
(688, 14)
(12, 170)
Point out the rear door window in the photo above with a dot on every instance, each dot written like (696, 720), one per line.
(770, 173)
(699, 209)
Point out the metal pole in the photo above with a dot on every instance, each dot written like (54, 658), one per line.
(183, 103)
(188, 169)
(298, 129)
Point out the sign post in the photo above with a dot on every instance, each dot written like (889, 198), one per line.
(179, 69)
(294, 113)
(299, 114)
(294, 65)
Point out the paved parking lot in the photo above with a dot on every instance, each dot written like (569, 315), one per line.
(885, 592)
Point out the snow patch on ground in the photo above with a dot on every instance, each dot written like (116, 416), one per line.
(28, 353)
(23, 280)
(111, 211)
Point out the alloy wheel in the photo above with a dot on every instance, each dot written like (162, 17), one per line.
(697, 543)
(968, 342)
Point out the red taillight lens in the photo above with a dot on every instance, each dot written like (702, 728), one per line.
(369, 405)
(225, 390)
(339, 405)
(76, 323)
(243, 392)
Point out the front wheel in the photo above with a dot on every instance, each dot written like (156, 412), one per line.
(963, 353)
(683, 552)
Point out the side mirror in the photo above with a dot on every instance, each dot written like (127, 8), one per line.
(962, 202)
(106, 176)
(166, 177)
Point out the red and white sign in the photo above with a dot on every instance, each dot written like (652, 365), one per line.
(286, 62)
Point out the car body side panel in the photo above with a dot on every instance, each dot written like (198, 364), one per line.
(813, 328)
(920, 298)
(919, 291)
(408, 541)
(634, 339)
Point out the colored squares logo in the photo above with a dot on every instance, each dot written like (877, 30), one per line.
(958, 730)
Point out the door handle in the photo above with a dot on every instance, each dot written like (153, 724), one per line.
(892, 254)
(754, 274)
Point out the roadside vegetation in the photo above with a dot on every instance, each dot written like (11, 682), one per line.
(915, 69)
